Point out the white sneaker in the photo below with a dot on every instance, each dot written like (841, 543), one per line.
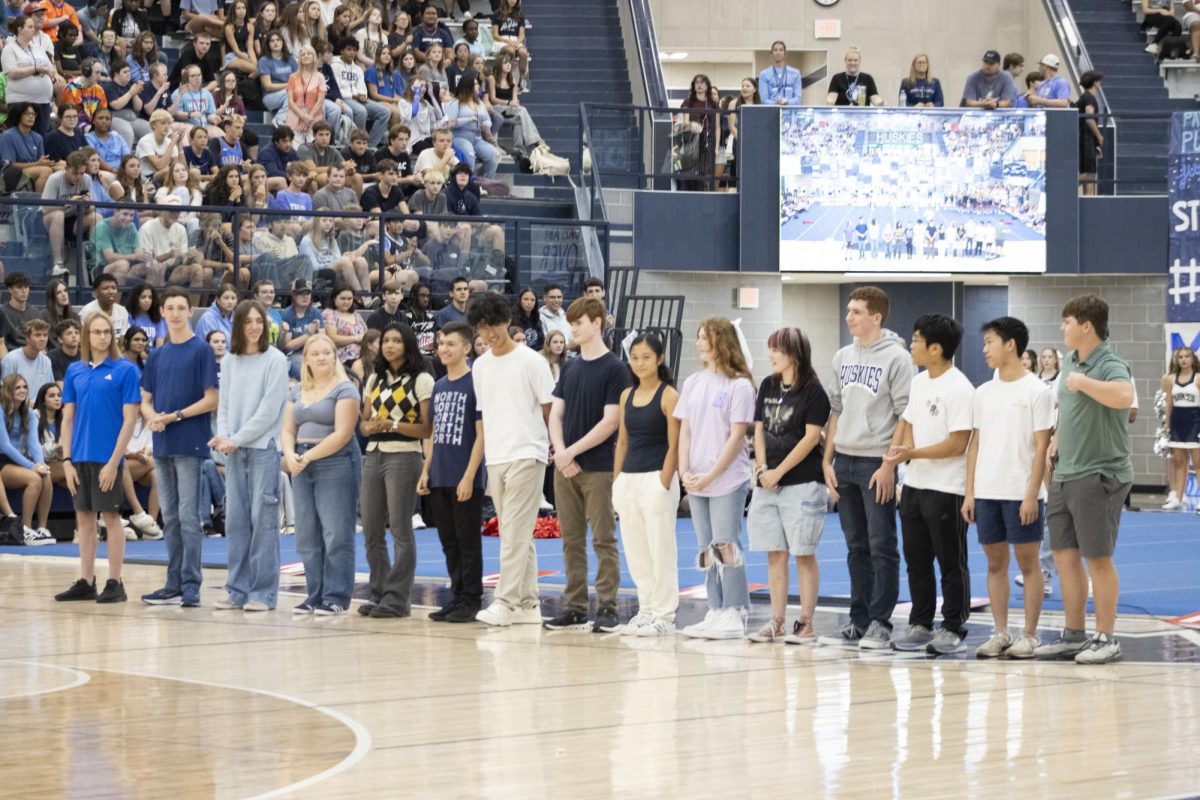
(631, 628)
(144, 524)
(1173, 503)
(730, 623)
(255, 606)
(45, 536)
(226, 604)
(995, 646)
(526, 616)
(657, 626)
(700, 629)
(497, 615)
(417, 522)
(1152, 48)
(1023, 647)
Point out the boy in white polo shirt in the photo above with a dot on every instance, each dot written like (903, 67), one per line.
(1014, 413)
(936, 429)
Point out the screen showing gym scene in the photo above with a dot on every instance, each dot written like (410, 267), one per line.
(905, 190)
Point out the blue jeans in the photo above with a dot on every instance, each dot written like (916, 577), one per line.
(488, 153)
(371, 117)
(275, 100)
(870, 530)
(178, 479)
(718, 520)
(252, 524)
(326, 519)
(212, 490)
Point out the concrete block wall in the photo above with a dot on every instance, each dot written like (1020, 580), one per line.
(816, 309)
(711, 294)
(1137, 313)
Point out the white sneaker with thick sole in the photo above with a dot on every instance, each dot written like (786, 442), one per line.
(527, 616)
(656, 627)
(226, 604)
(730, 623)
(144, 524)
(255, 606)
(698, 630)
(497, 615)
(631, 628)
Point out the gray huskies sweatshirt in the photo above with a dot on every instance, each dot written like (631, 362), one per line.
(869, 392)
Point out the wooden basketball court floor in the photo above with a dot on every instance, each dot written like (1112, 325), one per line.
(126, 701)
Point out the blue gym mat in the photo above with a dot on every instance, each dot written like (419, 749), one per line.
(1158, 556)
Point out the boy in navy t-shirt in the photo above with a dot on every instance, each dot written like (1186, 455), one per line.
(453, 478)
(179, 390)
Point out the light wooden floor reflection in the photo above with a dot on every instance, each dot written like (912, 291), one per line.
(126, 701)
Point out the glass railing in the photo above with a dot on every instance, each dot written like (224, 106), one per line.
(356, 249)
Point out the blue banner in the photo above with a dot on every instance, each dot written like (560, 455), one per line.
(1183, 192)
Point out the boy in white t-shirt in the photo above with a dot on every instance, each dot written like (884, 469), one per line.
(936, 429)
(513, 393)
(1005, 498)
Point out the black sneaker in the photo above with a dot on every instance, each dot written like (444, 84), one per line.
(80, 590)
(464, 612)
(568, 621)
(607, 621)
(114, 592)
(383, 612)
(365, 609)
(443, 612)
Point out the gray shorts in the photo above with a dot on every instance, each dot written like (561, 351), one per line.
(790, 518)
(1084, 514)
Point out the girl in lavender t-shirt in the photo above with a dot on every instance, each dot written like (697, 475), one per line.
(716, 407)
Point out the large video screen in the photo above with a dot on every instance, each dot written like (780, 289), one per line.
(912, 190)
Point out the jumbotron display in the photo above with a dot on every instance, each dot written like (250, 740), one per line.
(905, 190)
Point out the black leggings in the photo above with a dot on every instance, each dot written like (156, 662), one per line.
(1167, 26)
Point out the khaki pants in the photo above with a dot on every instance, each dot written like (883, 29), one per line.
(588, 498)
(648, 514)
(516, 490)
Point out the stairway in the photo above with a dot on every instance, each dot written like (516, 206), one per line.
(1131, 84)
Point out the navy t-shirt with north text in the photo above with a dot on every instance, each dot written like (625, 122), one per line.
(452, 405)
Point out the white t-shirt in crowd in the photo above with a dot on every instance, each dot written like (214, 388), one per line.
(1007, 413)
(120, 317)
(350, 79)
(160, 240)
(148, 146)
(936, 408)
(509, 392)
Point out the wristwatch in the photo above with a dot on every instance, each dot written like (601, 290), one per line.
(179, 415)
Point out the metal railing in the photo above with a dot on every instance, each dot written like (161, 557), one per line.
(1124, 136)
(650, 147)
(647, 52)
(536, 251)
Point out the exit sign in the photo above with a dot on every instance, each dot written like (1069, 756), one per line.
(827, 29)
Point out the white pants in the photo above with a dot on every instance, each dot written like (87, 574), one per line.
(647, 512)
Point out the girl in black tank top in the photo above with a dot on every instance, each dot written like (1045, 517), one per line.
(646, 489)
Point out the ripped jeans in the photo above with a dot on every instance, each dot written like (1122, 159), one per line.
(718, 520)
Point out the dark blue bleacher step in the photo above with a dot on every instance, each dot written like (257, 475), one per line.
(520, 207)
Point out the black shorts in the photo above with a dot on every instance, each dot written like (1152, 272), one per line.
(88, 496)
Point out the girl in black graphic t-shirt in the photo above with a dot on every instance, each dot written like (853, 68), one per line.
(787, 511)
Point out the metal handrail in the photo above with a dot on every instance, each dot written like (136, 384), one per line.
(647, 44)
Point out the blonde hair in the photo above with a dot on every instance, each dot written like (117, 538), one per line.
(912, 70)
(85, 339)
(161, 115)
(727, 357)
(307, 381)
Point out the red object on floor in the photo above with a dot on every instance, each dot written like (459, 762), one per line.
(545, 528)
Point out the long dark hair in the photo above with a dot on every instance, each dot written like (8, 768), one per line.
(533, 318)
(54, 314)
(655, 343)
(39, 405)
(413, 364)
(127, 345)
(794, 344)
(133, 299)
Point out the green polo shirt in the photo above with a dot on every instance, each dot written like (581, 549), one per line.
(1092, 438)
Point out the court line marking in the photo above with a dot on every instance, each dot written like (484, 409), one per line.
(363, 742)
(81, 677)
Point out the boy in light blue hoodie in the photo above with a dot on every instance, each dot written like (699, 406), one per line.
(867, 396)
